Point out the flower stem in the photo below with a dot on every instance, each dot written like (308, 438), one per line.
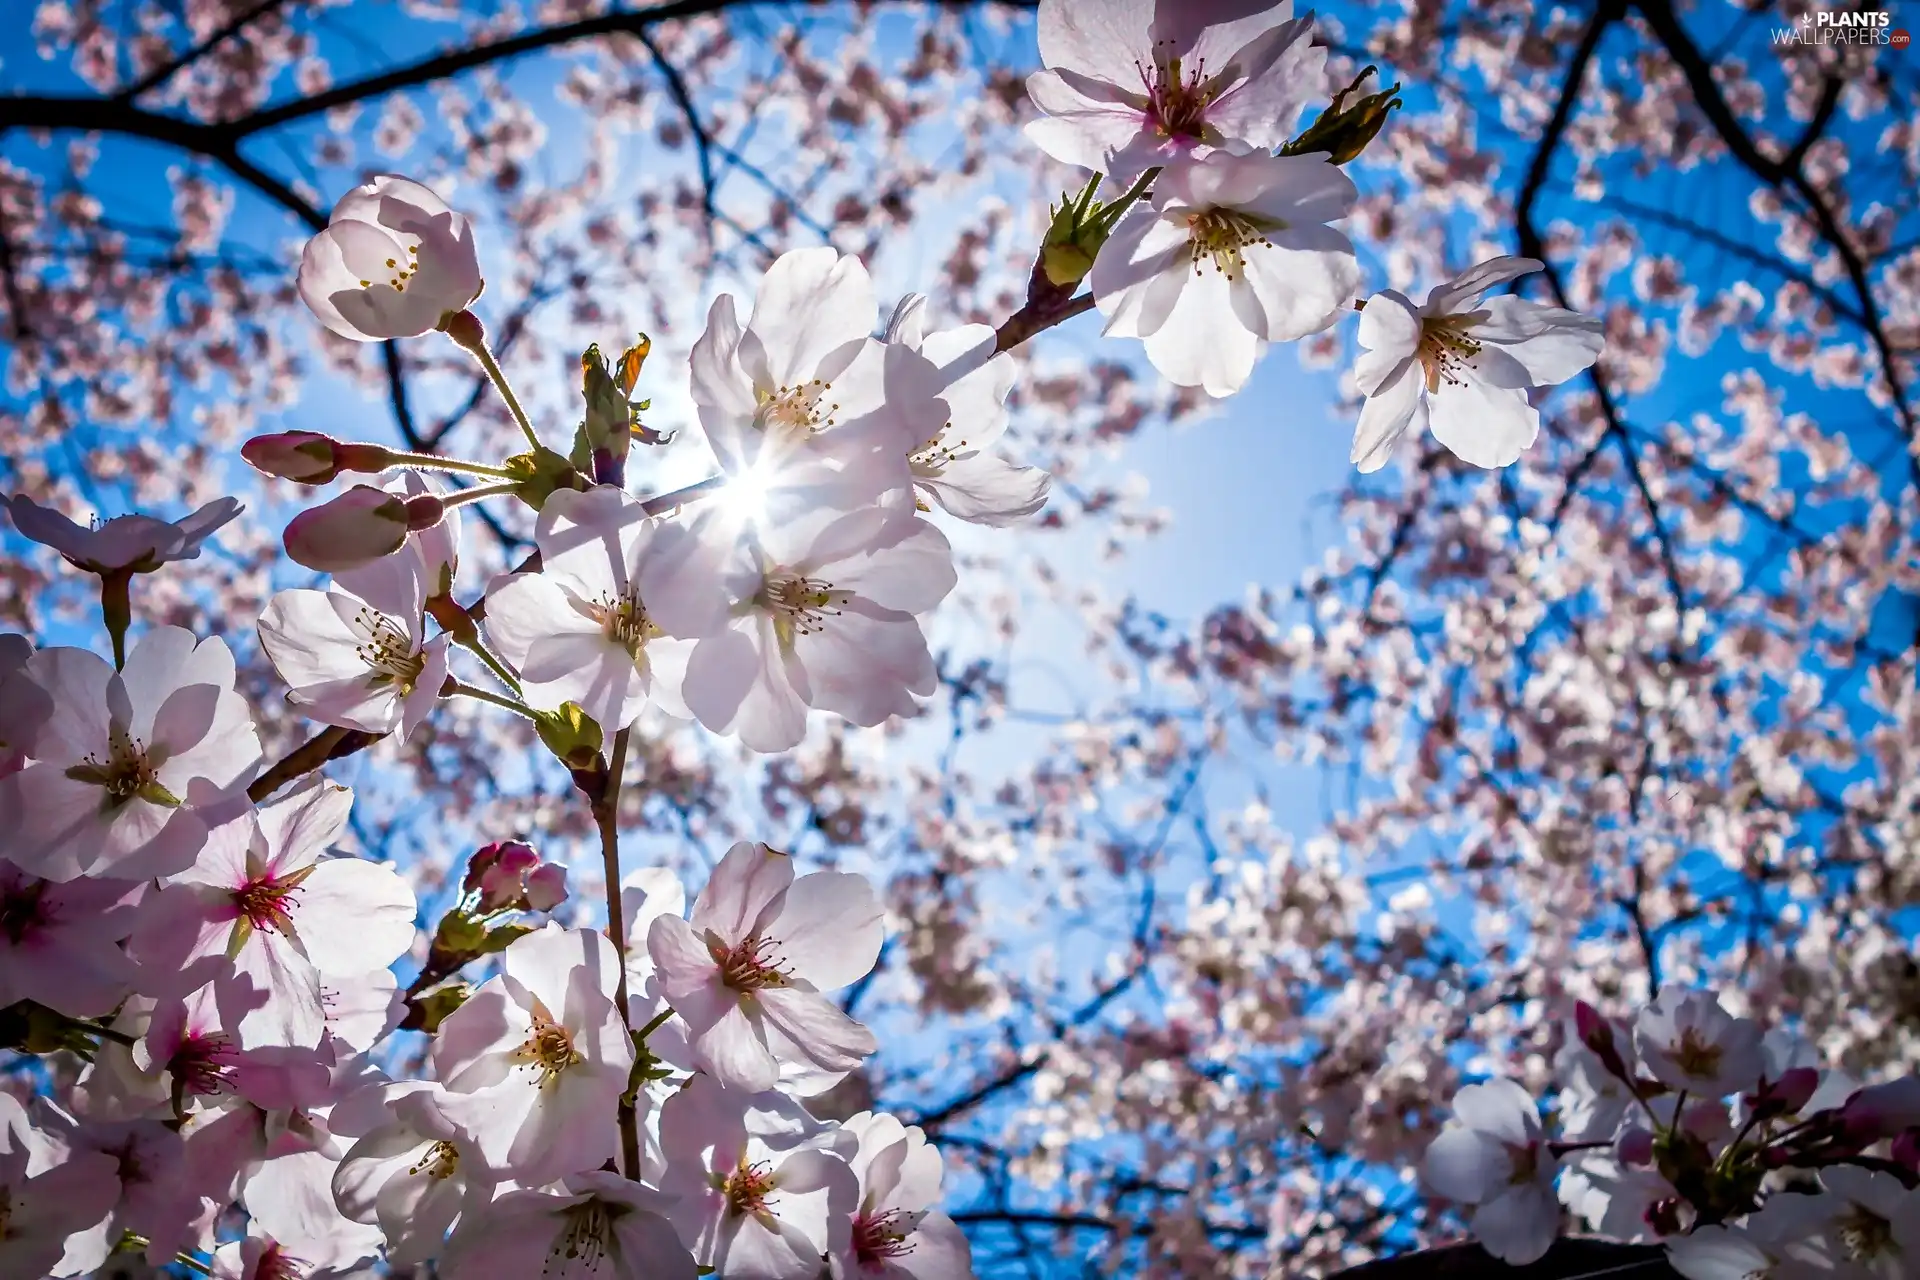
(434, 462)
(606, 815)
(480, 491)
(193, 1264)
(116, 609)
(328, 744)
(493, 371)
(501, 671)
(487, 695)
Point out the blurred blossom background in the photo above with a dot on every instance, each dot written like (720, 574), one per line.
(1261, 804)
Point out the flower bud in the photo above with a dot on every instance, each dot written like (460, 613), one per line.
(354, 529)
(1634, 1147)
(546, 886)
(1785, 1096)
(1343, 131)
(1882, 1110)
(465, 329)
(304, 457)
(1595, 1030)
(424, 511)
(571, 734)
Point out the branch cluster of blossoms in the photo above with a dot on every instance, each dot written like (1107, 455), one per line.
(1692, 1127)
(628, 1101)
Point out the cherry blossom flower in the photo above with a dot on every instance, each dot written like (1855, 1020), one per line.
(1622, 1202)
(187, 1053)
(131, 543)
(126, 764)
(155, 1199)
(434, 548)
(59, 943)
(825, 619)
(15, 703)
(536, 1060)
(1865, 1220)
(1464, 368)
(262, 914)
(1724, 1253)
(1233, 251)
(394, 262)
(258, 1257)
(953, 468)
(353, 664)
(760, 1189)
(896, 1233)
(1131, 84)
(1687, 1041)
(601, 1227)
(803, 408)
(1494, 1157)
(598, 624)
(47, 1193)
(749, 973)
(414, 1177)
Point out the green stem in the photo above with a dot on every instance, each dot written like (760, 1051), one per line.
(492, 367)
(433, 462)
(480, 491)
(116, 609)
(501, 671)
(659, 1021)
(1111, 213)
(487, 695)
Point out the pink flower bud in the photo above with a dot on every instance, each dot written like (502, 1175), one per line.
(424, 511)
(484, 859)
(1595, 1030)
(502, 882)
(1883, 1110)
(305, 457)
(546, 886)
(1789, 1093)
(1634, 1147)
(352, 530)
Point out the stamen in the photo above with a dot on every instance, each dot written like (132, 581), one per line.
(1696, 1056)
(1445, 350)
(936, 455)
(585, 1240)
(796, 412)
(267, 903)
(1177, 99)
(800, 606)
(386, 650)
(203, 1064)
(548, 1048)
(748, 1187)
(749, 965)
(440, 1162)
(625, 621)
(128, 771)
(881, 1236)
(1224, 235)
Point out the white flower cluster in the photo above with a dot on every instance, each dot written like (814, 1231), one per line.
(1691, 1127)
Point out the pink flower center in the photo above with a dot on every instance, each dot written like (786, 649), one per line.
(439, 1162)
(585, 1238)
(1696, 1055)
(748, 965)
(793, 414)
(748, 1187)
(128, 771)
(21, 911)
(879, 1236)
(203, 1063)
(278, 1265)
(548, 1048)
(267, 903)
(1177, 100)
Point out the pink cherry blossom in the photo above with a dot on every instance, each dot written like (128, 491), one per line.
(130, 543)
(258, 1257)
(760, 1189)
(1687, 1041)
(535, 1061)
(350, 531)
(49, 1193)
(415, 1178)
(897, 1234)
(261, 914)
(59, 943)
(126, 764)
(750, 972)
(394, 262)
(155, 1198)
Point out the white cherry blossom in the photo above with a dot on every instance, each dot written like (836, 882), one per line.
(394, 261)
(261, 914)
(750, 972)
(130, 544)
(1494, 1156)
(126, 764)
(953, 468)
(802, 407)
(536, 1060)
(608, 621)
(1130, 84)
(414, 1177)
(1687, 1041)
(48, 1193)
(824, 619)
(1233, 251)
(597, 1226)
(760, 1190)
(154, 1198)
(355, 664)
(1463, 367)
(1724, 1253)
